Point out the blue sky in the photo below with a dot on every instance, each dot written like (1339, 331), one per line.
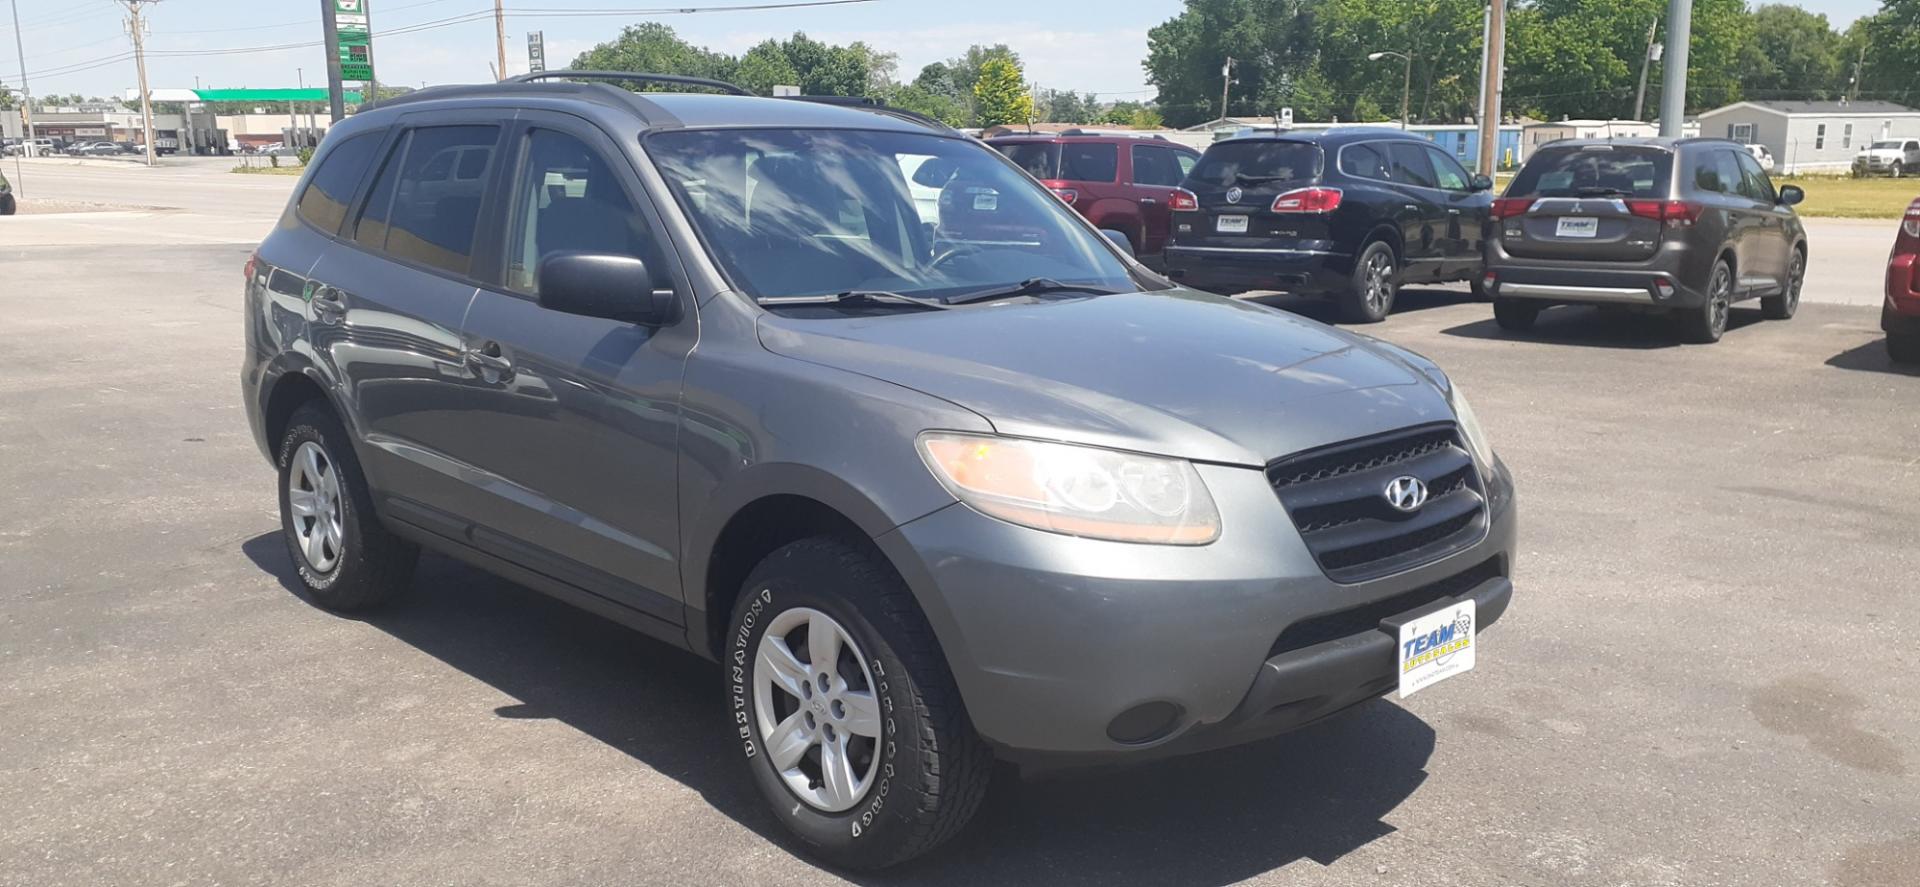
(1086, 45)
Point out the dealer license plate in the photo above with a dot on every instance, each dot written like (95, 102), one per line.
(1578, 226)
(1231, 224)
(1436, 646)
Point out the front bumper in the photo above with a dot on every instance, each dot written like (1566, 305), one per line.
(1229, 270)
(1055, 642)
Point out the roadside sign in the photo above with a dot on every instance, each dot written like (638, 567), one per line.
(353, 40)
(536, 51)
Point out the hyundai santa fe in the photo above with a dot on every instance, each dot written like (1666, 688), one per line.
(934, 493)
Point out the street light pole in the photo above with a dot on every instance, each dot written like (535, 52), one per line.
(137, 27)
(1406, 86)
(26, 95)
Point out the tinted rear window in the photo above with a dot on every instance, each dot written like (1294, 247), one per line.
(1571, 172)
(1040, 159)
(334, 181)
(1257, 162)
(1081, 162)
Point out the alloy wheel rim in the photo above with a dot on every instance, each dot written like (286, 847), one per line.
(1796, 277)
(313, 503)
(1379, 275)
(816, 709)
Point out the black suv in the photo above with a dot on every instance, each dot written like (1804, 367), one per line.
(1351, 213)
(1684, 227)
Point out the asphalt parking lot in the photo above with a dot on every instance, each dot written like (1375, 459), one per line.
(1705, 678)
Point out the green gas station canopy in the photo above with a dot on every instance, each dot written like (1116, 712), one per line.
(268, 96)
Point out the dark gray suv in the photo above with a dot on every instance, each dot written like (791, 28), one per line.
(1679, 226)
(936, 481)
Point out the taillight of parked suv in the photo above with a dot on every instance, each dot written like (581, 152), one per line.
(1307, 200)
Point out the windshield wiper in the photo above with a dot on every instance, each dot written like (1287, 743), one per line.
(1243, 177)
(1601, 192)
(1031, 287)
(866, 297)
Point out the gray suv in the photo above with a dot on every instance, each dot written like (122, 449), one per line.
(1684, 227)
(935, 482)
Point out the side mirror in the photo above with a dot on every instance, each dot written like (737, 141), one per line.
(613, 287)
(1480, 182)
(1119, 239)
(1791, 195)
(934, 172)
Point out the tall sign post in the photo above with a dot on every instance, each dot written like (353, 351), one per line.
(349, 50)
(536, 51)
(1673, 87)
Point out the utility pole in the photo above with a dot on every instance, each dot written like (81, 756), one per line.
(137, 27)
(1490, 86)
(500, 36)
(1853, 86)
(1646, 61)
(1226, 75)
(1673, 84)
(26, 97)
(1486, 45)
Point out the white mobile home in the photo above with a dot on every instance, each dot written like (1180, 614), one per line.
(1812, 136)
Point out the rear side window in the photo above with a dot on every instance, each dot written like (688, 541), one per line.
(1155, 165)
(1258, 162)
(1364, 161)
(1040, 159)
(425, 207)
(1411, 166)
(1753, 180)
(1094, 162)
(324, 202)
(1595, 170)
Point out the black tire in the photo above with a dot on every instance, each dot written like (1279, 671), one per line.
(1706, 324)
(372, 565)
(1515, 315)
(1479, 289)
(1783, 306)
(8, 205)
(1903, 348)
(1374, 283)
(932, 769)
(1896, 170)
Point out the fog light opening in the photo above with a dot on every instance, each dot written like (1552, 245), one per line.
(1662, 290)
(1144, 723)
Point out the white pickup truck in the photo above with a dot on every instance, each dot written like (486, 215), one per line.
(1891, 157)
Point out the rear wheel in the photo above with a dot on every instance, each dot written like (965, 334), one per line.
(1706, 324)
(346, 559)
(851, 724)
(1782, 307)
(1375, 283)
(1515, 315)
(1897, 170)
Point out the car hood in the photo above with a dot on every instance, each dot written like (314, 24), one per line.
(1175, 373)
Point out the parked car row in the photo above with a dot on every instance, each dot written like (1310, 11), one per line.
(1685, 227)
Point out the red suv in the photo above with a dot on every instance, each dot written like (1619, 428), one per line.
(1900, 316)
(1119, 182)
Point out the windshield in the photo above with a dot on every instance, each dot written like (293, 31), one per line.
(1231, 163)
(819, 212)
(1570, 172)
(1886, 146)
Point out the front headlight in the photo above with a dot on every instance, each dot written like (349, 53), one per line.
(1075, 490)
(1470, 429)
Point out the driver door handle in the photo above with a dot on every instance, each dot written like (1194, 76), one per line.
(329, 304)
(489, 358)
(1148, 201)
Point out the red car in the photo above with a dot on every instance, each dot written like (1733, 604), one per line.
(1900, 317)
(1119, 182)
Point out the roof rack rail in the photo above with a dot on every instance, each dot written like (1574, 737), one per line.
(868, 103)
(631, 76)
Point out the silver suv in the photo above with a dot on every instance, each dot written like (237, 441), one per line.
(936, 483)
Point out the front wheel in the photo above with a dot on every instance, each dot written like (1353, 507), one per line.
(842, 704)
(1896, 170)
(1782, 307)
(1375, 284)
(1706, 324)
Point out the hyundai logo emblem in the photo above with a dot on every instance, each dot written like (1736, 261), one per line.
(1233, 195)
(1406, 493)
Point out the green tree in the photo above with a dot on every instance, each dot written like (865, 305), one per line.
(1000, 95)
(655, 48)
(764, 67)
(1891, 43)
(1795, 54)
(916, 98)
(1145, 118)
